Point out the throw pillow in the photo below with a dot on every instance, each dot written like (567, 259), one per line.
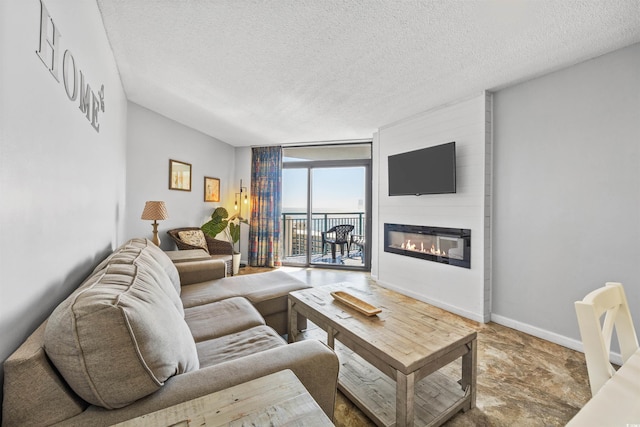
(194, 238)
(119, 337)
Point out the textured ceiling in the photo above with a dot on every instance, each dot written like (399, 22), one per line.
(255, 72)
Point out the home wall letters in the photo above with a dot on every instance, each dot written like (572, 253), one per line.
(72, 78)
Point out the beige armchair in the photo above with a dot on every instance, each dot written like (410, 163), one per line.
(218, 249)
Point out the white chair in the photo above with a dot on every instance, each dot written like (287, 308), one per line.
(610, 301)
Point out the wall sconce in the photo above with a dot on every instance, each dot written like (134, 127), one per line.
(155, 211)
(238, 197)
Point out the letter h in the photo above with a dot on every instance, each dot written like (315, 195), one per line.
(48, 44)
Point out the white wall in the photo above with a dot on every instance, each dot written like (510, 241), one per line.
(460, 290)
(243, 171)
(62, 184)
(154, 139)
(567, 193)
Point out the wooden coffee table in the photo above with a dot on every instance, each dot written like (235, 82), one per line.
(279, 399)
(390, 363)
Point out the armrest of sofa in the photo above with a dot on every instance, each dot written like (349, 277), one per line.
(315, 365)
(201, 271)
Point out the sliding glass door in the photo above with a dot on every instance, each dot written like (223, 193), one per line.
(338, 215)
(295, 212)
(326, 213)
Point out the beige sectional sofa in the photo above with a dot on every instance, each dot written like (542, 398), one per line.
(133, 339)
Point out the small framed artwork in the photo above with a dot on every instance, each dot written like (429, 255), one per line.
(211, 189)
(179, 175)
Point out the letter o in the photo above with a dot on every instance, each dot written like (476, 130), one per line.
(65, 75)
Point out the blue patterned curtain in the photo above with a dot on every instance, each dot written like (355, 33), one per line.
(266, 207)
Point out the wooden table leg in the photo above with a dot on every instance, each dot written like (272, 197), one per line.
(470, 371)
(331, 333)
(292, 332)
(405, 393)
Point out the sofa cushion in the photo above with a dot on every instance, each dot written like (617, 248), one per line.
(194, 238)
(155, 252)
(271, 299)
(160, 256)
(119, 337)
(221, 318)
(207, 292)
(240, 344)
(266, 291)
(143, 259)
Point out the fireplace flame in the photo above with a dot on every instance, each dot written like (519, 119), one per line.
(412, 247)
(435, 251)
(408, 246)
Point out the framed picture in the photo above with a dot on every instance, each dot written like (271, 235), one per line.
(211, 189)
(179, 175)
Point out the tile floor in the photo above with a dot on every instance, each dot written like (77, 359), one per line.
(522, 380)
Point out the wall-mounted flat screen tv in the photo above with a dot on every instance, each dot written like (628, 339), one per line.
(430, 170)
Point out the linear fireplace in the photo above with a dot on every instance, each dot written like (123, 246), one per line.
(445, 245)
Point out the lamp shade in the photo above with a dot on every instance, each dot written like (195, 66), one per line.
(154, 211)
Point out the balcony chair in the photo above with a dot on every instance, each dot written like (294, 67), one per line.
(338, 235)
(218, 249)
(359, 241)
(610, 301)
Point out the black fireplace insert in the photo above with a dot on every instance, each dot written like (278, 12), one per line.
(445, 245)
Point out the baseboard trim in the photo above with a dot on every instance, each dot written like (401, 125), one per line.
(573, 344)
(451, 308)
(538, 332)
(546, 335)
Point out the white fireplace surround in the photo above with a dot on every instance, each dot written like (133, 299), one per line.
(464, 291)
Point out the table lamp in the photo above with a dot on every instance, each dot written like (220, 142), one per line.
(155, 211)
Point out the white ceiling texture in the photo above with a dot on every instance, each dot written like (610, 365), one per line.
(258, 72)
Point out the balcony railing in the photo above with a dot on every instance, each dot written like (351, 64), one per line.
(295, 230)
